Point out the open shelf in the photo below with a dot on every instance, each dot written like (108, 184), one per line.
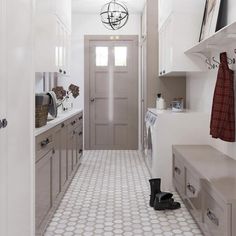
(225, 36)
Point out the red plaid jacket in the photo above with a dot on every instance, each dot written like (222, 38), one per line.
(223, 111)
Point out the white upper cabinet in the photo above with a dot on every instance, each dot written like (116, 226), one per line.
(179, 28)
(53, 36)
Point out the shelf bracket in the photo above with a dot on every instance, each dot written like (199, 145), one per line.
(212, 46)
(201, 55)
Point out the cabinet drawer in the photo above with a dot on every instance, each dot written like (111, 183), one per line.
(216, 217)
(73, 123)
(44, 143)
(193, 193)
(178, 170)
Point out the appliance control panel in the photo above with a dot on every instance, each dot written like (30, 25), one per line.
(150, 118)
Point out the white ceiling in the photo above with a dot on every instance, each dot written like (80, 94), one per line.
(94, 6)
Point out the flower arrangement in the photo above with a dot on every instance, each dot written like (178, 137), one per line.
(63, 95)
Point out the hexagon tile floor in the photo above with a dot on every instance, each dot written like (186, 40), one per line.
(110, 195)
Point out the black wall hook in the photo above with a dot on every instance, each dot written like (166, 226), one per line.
(210, 66)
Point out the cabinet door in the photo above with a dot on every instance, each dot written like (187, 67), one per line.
(75, 148)
(60, 9)
(165, 8)
(43, 188)
(70, 153)
(56, 159)
(63, 11)
(63, 142)
(144, 22)
(67, 52)
(166, 48)
(79, 144)
(162, 50)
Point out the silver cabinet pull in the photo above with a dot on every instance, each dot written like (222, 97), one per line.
(92, 99)
(212, 217)
(191, 188)
(45, 142)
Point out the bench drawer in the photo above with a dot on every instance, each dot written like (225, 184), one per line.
(194, 194)
(178, 170)
(216, 216)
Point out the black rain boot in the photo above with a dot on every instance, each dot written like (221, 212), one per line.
(155, 185)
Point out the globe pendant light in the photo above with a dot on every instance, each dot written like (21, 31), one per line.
(114, 15)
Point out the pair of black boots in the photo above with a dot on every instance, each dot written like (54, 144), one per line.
(161, 200)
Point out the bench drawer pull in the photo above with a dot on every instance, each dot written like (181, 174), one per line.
(191, 188)
(212, 217)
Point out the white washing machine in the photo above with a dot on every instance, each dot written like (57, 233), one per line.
(173, 128)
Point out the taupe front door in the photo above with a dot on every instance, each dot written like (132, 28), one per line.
(113, 94)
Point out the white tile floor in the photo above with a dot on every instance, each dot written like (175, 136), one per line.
(110, 195)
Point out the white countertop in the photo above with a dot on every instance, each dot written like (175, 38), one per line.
(60, 118)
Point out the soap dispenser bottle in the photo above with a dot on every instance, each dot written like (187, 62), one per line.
(160, 102)
(157, 101)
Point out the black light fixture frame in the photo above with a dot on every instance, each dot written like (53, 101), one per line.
(108, 15)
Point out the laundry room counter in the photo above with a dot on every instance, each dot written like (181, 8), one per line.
(60, 118)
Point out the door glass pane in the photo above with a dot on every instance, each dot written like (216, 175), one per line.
(120, 56)
(101, 56)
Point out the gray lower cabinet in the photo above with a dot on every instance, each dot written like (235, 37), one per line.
(43, 187)
(205, 179)
(57, 159)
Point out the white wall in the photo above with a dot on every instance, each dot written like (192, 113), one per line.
(200, 88)
(90, 24)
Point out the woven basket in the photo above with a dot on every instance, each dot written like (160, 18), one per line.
(41, 115)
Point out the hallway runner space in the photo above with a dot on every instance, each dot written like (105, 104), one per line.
(110, 196)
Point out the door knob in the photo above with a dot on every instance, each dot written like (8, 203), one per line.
(92, 99)
(3, 123)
